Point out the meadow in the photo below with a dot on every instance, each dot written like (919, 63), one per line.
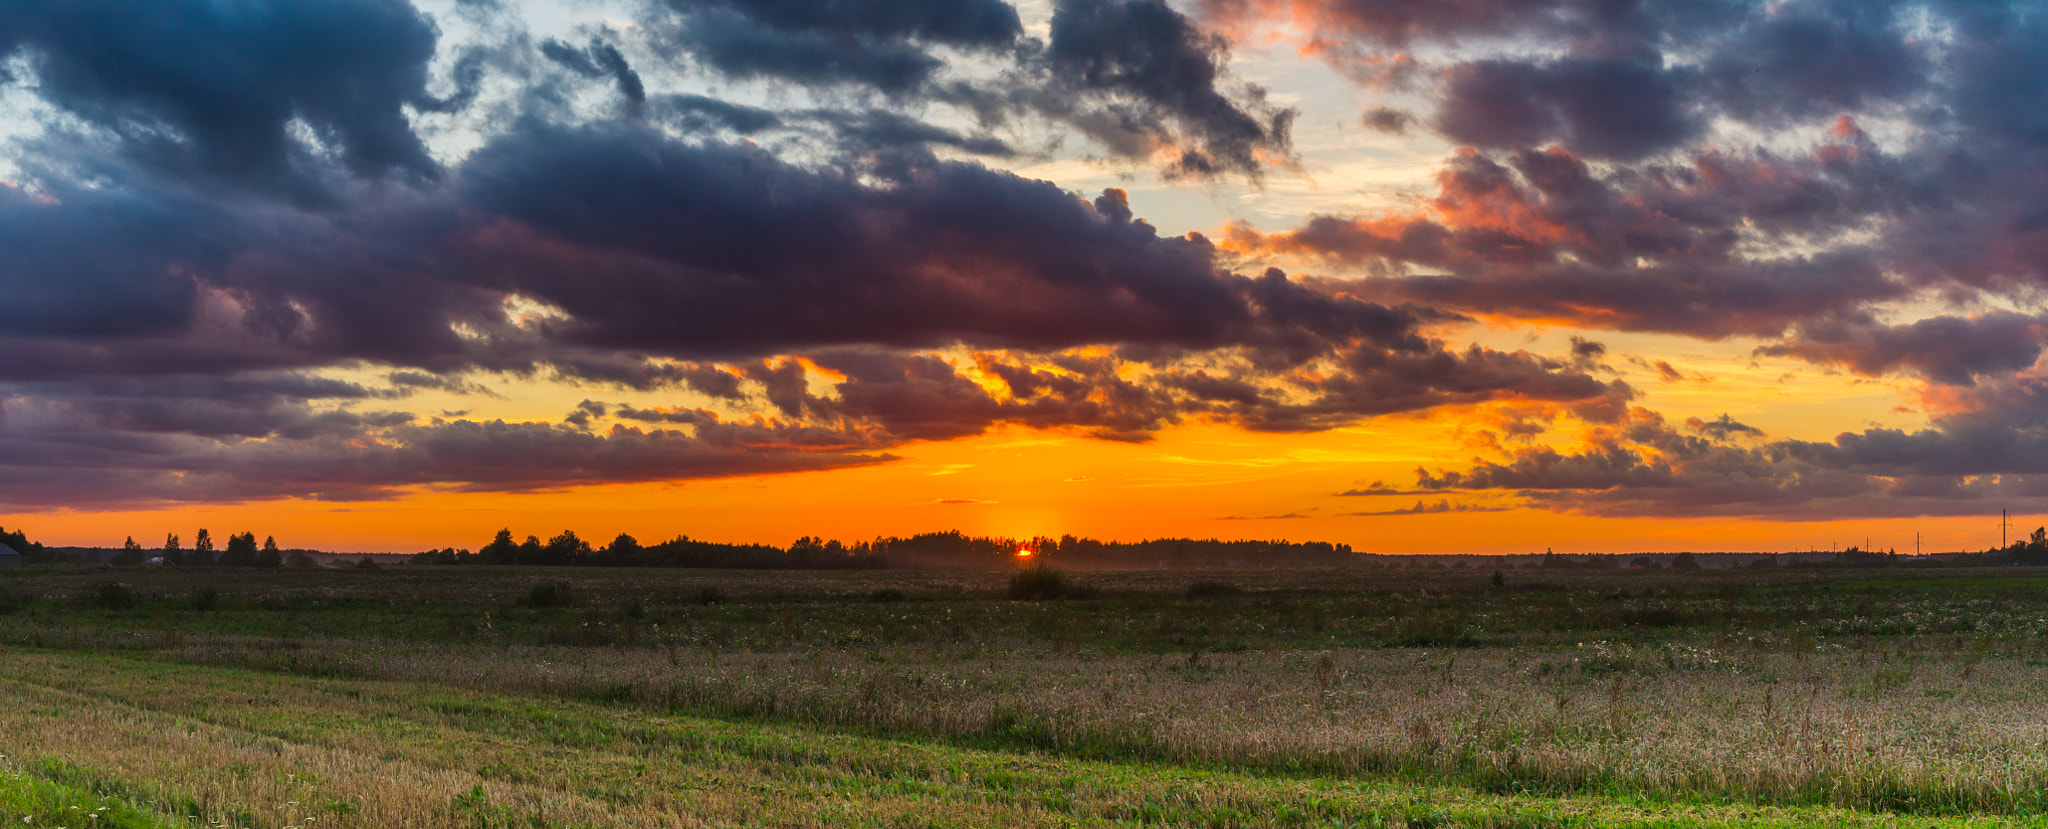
(507, 696)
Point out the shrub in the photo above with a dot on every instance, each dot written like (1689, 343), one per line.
(636, 609)
(887, 594)
(710, 595)
(113, 595)
(1038, 583)
(549, 594)
(205, 599)
(1207, 588)
(367, 563)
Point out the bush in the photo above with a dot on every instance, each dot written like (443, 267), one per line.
(549, 594)
(367, 563)
(113, 595)
(1207, 588)
(888, 594)
(1038, 583)
(710, 595)
(205, 599)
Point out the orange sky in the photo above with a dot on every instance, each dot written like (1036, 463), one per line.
(1194, 480)
(1022, 483)
(1027, 282)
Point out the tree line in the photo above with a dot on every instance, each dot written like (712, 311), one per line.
(241, 550)
(949, 549)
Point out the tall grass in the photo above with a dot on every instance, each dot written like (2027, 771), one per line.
(1911, 696)
(212, 747)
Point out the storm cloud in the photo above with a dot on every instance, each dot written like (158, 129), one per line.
(242, 240)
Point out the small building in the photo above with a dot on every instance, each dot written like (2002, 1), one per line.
(9, 557)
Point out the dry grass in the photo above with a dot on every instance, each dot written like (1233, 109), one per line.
(1910, 696)
(216, 746)
(1920, 731)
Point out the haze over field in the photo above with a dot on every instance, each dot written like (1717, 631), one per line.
(1481, 276)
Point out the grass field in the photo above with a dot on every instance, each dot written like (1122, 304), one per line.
(426, 696)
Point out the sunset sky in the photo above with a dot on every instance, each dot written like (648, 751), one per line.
(1452, 276)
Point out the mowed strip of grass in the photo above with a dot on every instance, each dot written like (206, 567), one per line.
(199, 745)
(31, 800)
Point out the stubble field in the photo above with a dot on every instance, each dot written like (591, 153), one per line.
(479, 696)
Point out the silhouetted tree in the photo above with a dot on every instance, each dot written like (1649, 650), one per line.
(32, 552)
(529, 551)
(173, 554)
(202, 550)
(240, 552)
(624, 550)
(1685, 561)
(131, 554)
(501, 550)
(270, 555)
(565, 549)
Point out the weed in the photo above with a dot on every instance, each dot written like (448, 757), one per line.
(1038, 583)
(114, 595)
(1209, 588)
(549, 594)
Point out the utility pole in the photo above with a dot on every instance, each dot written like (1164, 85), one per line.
(2004, 523)
(1916, 543)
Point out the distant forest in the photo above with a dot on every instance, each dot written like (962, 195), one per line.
(956, 550)
(950, 549)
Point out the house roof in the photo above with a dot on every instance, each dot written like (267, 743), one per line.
(8, 551)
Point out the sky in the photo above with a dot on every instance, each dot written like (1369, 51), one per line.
(1489, 276)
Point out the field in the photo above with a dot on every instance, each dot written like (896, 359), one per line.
(486, 696)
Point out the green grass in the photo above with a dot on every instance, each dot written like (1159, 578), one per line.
(640, 765)
(1316, 698)
(41, 799)
(494, 606)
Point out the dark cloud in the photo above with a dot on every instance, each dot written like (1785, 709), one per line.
(125, 457)
(702, 249)
(94, 262)
(1394, 23)
(1387, 120)
(1816, 60)
(1945, 349)
(882, 131)
(698, 113)
(1722, 428)
(208, 92)
(1607, 109)
(236, 201)
(882, 44)
(1378, 488)
(1145, 67)
(1442, 506)
(598, 60)
(1993, 453)
(1543, 236)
